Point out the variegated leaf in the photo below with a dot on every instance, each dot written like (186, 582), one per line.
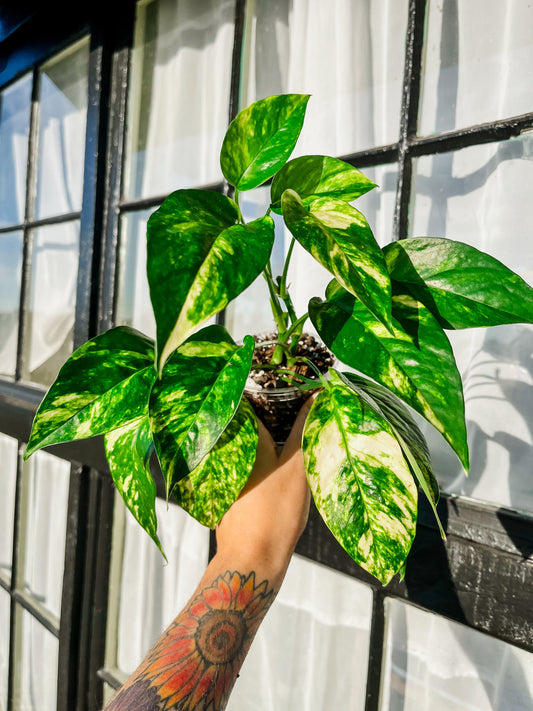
(261, 138)
(415, 360)
(319, 176)
(407, 433)
(403, 423)
(196, 398)
(338, 237)
(104, 384)
(462, 286)
(360, 480)
(199, 259)
(211, 488)
(128, 451)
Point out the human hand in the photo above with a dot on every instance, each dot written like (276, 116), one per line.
(271, 512)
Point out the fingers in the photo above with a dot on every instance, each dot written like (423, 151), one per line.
(294, 440)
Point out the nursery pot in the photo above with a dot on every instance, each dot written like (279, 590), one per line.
(275, 403)
(277, 408)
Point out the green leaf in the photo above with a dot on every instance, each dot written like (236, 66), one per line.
(402, 422)
(128, 451)
(261, 138)
(462, 286)
(211, 488)
(360, 481)
(195, 400)
(415, 360)
(104, 385)
(338, 237)
(406, 431)
(319, 176)
(199, 259)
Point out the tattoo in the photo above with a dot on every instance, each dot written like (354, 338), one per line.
(195, 662)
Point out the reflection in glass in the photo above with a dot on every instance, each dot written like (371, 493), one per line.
(50, 320)
(481, 196)
(151, 591)
(134, 307)
(38, 666)
(311, 651)
(8, 481)
(349, 55)
(63, 96)
(14, 129)
(432, 663)
(179, 97)
(5, 601)
(46, 501)
(10, 274)
(478, 63)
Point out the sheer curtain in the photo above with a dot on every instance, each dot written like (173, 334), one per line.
(481, 196)
(179, 99)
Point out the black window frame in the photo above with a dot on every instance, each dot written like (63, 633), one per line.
(471, 578)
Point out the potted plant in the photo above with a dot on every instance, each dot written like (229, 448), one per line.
(383, 316)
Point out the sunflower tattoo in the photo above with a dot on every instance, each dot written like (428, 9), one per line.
(195, 663)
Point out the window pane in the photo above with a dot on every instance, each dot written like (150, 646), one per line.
(179, 98)
(63, 91)
(431, 663)
(134, 307)
(52, 305)
(10, 273)
(348, 55)
(8, 482)
(481, 196)
(152, 592)
(14, 128)
(311, 651)
(478, 63)
(38, 659)
(46, 503)
(5, 602)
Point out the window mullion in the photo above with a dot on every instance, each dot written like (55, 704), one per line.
(409, 115)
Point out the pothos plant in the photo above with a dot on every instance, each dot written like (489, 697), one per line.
(384, 316)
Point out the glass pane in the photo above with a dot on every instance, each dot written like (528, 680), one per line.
(152, 592)
(348, 55)
(14, 129)
(478, 63)
(179, 97)
(5, 602)
(481, 196)
(63, 92)
(10, 274)
(38, 657)
(54, 277)
(311, 651)
(134, 307)
(431, 663)
(46, 504)
(8, 482)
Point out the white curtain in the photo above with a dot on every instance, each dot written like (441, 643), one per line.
(311, 652)
(152, 592)
(180, 94)
(432, 663)
(478, 63)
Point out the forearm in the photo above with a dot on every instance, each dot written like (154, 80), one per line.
(196, 661)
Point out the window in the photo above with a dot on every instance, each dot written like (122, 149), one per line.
(99, 120)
